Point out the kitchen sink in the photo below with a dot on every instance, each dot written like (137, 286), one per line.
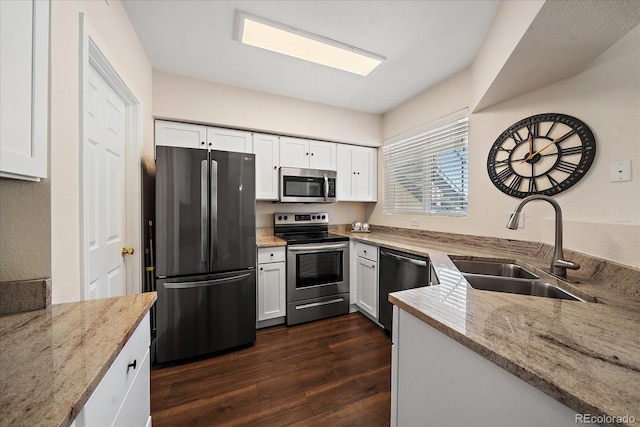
(522, 286)
(492, 268)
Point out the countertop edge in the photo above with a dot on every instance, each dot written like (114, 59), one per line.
(544, 385)
(91, 387)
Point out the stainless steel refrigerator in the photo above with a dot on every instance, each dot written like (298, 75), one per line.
(205, 252)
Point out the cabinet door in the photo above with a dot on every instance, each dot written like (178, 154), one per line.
(367, 285)
(365, 164)
(345, 175)
(294, 152)
(271, 291)
(174, 134)
(267, 151)
(322, 155)
(229, 140)
(24, 77)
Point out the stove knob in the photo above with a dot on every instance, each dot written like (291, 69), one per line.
(324, 216)
(286, 217)
(313, 217)
(280, 218)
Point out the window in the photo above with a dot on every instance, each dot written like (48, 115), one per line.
(427, 172)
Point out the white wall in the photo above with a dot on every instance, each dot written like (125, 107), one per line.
(111, 28)
(188, 99)
(601, 218)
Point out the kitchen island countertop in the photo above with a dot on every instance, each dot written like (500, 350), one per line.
(53, 359)
(584, 354)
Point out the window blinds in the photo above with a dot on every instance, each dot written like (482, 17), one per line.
(427, 173)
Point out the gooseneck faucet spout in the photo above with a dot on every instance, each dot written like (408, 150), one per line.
(559, 265)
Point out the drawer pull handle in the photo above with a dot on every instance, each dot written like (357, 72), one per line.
(132, 365)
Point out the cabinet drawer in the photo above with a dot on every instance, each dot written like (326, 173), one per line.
(276, 254)
(369, 252)
(105, 402)
(136, 409)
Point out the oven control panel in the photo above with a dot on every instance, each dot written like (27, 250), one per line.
(301, 218)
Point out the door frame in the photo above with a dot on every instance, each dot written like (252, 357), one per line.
(91, 54)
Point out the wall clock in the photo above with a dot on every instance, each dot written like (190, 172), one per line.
(542, 154)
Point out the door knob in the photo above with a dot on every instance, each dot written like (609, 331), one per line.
(126, 251)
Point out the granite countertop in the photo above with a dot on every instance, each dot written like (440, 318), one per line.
(269, 241)
(584, 354)
(53, 359)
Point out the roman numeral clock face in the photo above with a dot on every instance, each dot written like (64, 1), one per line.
(542, 154)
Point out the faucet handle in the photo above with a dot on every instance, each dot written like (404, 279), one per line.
(563, 263)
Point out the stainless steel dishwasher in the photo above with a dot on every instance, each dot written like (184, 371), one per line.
(399, 271)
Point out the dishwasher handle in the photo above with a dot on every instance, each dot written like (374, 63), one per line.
(419, 262)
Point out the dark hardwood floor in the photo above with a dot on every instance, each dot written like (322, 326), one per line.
(333, 372)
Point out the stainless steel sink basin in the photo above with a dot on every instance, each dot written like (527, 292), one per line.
(492, 268)
(518, 286)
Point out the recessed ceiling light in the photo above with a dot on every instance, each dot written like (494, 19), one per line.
(274, 36)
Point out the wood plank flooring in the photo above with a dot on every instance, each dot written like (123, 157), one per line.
(333, 372)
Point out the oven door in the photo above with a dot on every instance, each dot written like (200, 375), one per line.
(307, 186)
(316, 270)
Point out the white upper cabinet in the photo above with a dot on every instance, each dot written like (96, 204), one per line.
(176, 134)
(307, 154)
(357, 176)
(267, 151)
(24, 85)
(229, 140)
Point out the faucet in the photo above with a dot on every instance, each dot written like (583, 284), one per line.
(559, 265)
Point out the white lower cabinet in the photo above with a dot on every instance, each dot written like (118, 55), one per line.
(122, 398)
(272, 301)
(367, 278)
(436, 381)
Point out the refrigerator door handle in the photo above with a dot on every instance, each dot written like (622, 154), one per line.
(214, 212)
(205, 283)
(204, 212)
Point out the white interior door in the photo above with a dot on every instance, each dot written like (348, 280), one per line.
(104, 181)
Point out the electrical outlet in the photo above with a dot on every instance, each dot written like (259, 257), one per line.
(621, 171)
(415, 223)
(507, 217)
(349, 213)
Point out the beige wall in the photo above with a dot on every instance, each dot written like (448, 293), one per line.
(110, 28)
(188, 99)
(601, 218)
(339, 213)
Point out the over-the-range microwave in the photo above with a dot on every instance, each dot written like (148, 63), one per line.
(307, 186)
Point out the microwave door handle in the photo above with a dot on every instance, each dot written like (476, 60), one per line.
(326, 187)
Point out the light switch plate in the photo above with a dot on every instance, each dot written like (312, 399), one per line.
(621, 171)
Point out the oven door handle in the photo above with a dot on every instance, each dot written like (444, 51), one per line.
(318, 247)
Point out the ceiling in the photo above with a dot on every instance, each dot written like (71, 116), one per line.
(425, 42)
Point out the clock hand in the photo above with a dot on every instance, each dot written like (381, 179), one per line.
(555, 141)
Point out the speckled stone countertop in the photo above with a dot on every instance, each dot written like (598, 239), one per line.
(269, 241)
(52, 359)
(584, 354)
(266, 239)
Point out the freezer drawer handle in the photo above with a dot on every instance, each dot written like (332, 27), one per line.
(404, 258)
(204, 283)
(318, 304)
